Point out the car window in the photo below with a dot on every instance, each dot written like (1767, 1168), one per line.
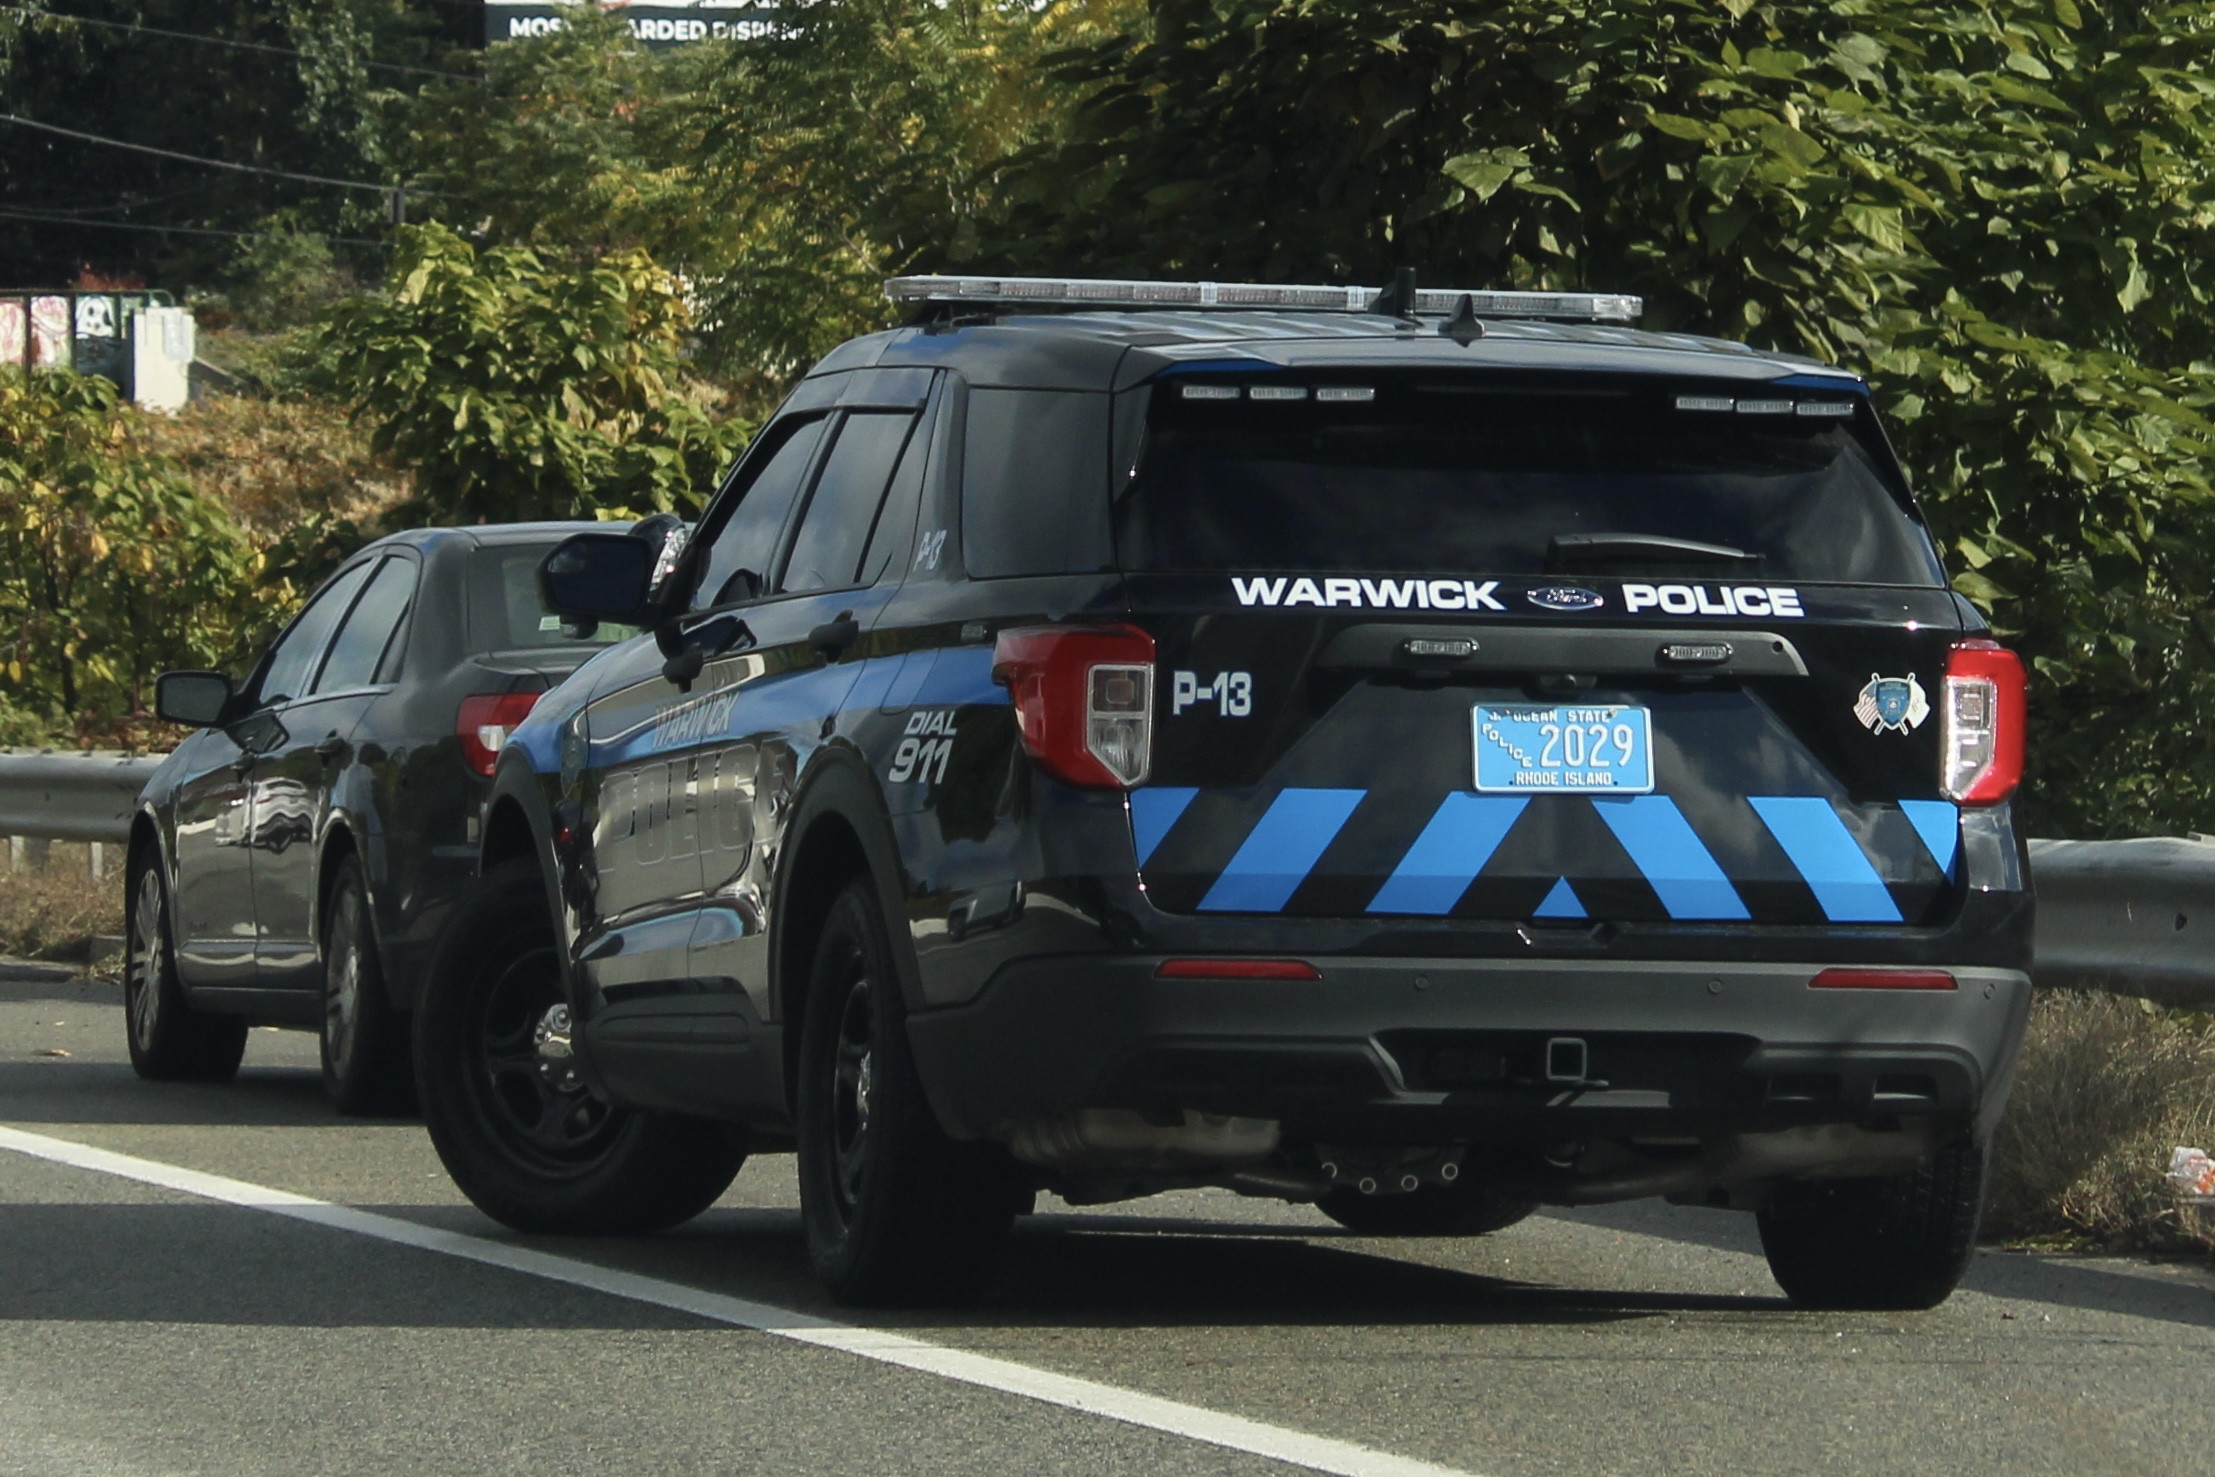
(292, 662)
(506, 612)
(1481, 473)
(369, 628)
(1035, 483)
(747, 539)
(896, 518)
(842, 511)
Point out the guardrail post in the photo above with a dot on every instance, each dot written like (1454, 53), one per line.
(99, 861)
(15, 854)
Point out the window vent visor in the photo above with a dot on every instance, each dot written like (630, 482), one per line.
(1982, 720)
(1083, 700)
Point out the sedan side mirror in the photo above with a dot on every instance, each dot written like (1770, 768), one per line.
(600, 577)
(196, 699)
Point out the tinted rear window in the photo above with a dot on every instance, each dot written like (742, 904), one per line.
(1484, 475)
(504, 609)
(1034, 483)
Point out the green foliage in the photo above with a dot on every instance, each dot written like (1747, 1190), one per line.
(785, 178)
(111, 567)
(283, 276)
(1998, 210)
(518, 391)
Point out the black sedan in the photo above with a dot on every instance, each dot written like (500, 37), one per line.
(291, 862)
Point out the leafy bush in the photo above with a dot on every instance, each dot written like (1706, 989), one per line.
(2106, 1088)
(518, 390)
(112, 567)
(1999, 211)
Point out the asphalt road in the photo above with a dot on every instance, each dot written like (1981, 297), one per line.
(162, 1311)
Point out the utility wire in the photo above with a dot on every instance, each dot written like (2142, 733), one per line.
(116, 143)
(46, 218)
(86, 20)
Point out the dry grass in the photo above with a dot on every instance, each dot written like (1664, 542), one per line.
(2107, 1088)
(52, 912)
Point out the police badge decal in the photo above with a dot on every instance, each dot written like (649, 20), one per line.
(1892, 704)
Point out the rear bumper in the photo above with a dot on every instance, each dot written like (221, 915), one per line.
(1413, 1051)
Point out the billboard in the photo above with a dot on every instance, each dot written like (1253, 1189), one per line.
(656, 23)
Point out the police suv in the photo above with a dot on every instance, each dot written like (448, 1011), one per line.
(1429, 754)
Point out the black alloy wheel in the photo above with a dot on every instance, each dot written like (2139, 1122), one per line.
(365, 1044)
(895, 1211)
(169, 1040)
(511, 1116)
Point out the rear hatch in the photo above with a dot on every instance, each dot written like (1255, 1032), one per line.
(1551, 649)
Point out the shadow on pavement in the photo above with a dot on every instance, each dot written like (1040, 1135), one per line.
(2167, 1292)
(109, 1092)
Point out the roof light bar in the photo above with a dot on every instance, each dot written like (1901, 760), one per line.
(1097, 292)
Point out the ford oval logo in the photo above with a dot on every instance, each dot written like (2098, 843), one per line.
(1566, 597)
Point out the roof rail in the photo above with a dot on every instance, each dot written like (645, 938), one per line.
(1107, 292)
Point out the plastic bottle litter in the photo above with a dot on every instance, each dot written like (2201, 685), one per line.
(2193, 1173)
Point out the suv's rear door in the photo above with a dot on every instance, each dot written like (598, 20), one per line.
(1696, 630)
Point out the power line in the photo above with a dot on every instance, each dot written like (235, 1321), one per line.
(116, 143)
(86, 20)
(48, 218)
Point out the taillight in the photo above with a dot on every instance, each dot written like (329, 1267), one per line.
(1980, 736)
(484, 723)
(1883, 979)
(1084, 700)
(1237, 969)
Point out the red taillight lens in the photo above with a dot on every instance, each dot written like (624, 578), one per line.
(1084, 699)
(1882, 979)
(484, 723)
(1237, 969)
(1981, 730)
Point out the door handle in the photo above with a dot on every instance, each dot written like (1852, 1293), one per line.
(330, 748)
(711, 639)
(833, 637)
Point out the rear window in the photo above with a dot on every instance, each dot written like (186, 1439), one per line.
(1034, 483)
(1369, 474)
(504, 609)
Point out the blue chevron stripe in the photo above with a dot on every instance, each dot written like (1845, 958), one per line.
(1461, 837)
(1276, 858)
(1562, 902)
(1681, 871)
(1153, 812)
(1938, 822)
(1830, 860)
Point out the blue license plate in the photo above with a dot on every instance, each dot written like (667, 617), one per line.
(1522, 747)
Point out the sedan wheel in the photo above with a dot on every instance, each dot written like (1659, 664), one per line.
(168, 1039)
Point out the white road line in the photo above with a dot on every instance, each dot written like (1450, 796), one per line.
(1235, 1433)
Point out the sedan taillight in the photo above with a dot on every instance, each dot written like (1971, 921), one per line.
(1980, 734)
(484, 723)
(1084, 700)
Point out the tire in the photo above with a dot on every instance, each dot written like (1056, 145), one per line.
(365, 1041)
(169, 1040)
(519, 1131)
(1468, 1207)
(1896, 1243)
(896, 1212)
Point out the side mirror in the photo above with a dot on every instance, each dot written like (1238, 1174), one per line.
(598, 577)
(197, 699)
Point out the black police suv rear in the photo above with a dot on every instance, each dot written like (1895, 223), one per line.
(1429, 757)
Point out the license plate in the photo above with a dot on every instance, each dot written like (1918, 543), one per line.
(1523, 747)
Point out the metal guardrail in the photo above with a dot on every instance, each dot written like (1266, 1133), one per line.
(2133, 917)
(61, 796)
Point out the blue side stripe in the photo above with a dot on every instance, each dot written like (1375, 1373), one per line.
(1282, 850)
(1153, 812)
(1462, 835)
(1663, 847)
(1829, 859)
(1562, 902)
(1938, 822)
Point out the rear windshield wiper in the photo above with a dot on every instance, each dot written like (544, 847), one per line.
(1645, 550)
